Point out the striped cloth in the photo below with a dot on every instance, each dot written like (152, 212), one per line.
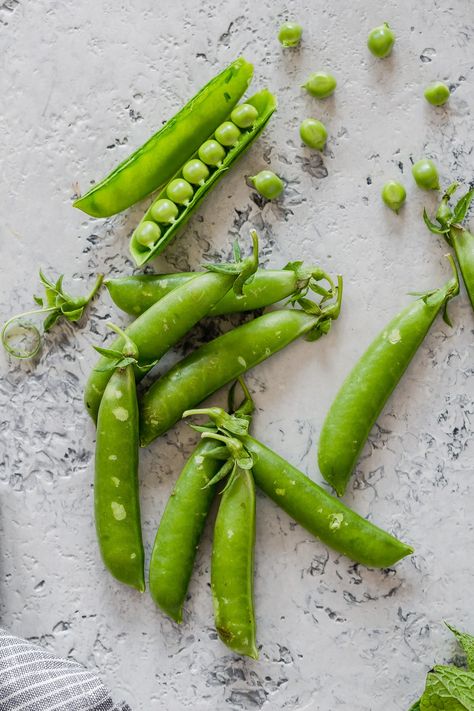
(33, 679)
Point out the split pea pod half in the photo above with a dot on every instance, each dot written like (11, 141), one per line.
(161, 156)
(182, 523)
(161, 326)
(135, 294)
(323, 515)
(370, 383)
(116, 496)
(458, 237)
(177, 201)
(224, 359)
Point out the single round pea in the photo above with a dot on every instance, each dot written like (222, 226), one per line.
(320, 85)
(313, 133)
(211, 153)
(244, 115)
(195, 172)
(437, 93)
(290, 34)
(425, 174)
(394, 195)
(381, 40)
(269, 185)
(180, 191)
(227, 134)
(147, 233)
(164, 211)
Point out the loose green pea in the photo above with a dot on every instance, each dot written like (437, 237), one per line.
(180, 191)
(269, 185)
(290, 34)
(211, 153)
(244, 115)
(437, 93)
(148, 233)
(227, 134)
(381, 40)
(425, 174)
(393, 195)
(195, 172)
(164, 211)
(320, 85)
(313, 133)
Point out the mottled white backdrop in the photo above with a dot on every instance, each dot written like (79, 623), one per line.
(81, 85)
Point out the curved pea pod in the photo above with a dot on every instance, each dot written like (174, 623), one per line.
(135, 294)
(232, 565)
(116, 496)
(265, 103)
(372, 380)
(180, 530)
(160, 157)
(161, 326)
(323, 515)
(460, 239)
(220, 361)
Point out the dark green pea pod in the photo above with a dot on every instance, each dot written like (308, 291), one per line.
(232, 565)
(135, 294)
(160, 157)
(371, 382)
(116, 496)
(461, 240)
(224, 359)
(265, 103)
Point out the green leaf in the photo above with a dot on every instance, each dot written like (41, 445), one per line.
(108, 352)
(433, 227)
(467, 643)
(73, 315)
(50, 320)
(448, 689)
(462, 207)
(38, 300)
(216, 453)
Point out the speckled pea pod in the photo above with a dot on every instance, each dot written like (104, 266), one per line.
(222, 360)
(116, 496)
(180, 531)
(161, 326)
(371, 382)
(135, 294)
(160, 157)
(321, 514)
(265, 103)
(232, 565)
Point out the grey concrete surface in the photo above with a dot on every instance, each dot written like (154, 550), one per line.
(81, 85)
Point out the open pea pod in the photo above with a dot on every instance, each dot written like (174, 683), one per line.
(155, 162)
(265, 103)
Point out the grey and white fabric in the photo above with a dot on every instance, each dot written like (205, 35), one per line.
(33, 679)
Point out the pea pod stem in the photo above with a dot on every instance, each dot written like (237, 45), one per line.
(161, 156)
(372, 380)
(161, 326)
(135, 294)
(448, 224)
(224, 359)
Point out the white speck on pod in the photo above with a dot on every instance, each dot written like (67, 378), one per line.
(242, 361)
(115, 480)
(118, 511)
(120, 413)
(113, 457)
(394, 336)
(280, 492)
(335, 521)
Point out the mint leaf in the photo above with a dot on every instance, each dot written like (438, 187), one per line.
(448, 689)
(467, 643)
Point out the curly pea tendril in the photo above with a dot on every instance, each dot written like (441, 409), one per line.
(22, 339)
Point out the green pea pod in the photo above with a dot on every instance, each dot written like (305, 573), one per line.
(232, 565)
(162, 326)
(216, 363)
(460, 239)
(135, 294)
(265, 103)
(180, 531)
(321, 514)
(372, 380)
(160, 157)
(117, 506)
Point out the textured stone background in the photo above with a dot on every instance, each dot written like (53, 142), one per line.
(82, 84)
